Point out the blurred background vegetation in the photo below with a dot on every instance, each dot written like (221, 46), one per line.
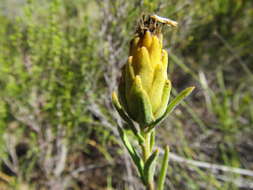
(59, 62)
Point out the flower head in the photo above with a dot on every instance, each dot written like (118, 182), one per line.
(144, 88)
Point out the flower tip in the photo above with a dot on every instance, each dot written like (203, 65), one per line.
(155, 39)
(130, 59)
(159, 67)
(167, 148)
(189, 90)
(148, 33)
(147, 39)
(115, 100)
(138, 79)
(168, 82)
(192, 88)
(114, 95)
(134, 45)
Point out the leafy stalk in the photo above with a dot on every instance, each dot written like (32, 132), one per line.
(164, 168)
(131, 150)
(149, 169)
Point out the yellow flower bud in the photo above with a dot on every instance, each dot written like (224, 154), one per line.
(144, 88)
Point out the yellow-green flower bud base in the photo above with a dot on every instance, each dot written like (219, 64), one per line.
(144, 89)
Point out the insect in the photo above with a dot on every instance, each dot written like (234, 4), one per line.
(153, 23)
(164, 20)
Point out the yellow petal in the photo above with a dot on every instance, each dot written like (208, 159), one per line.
(160, 37)
(155, 51)
(129, 76)
(156, 91)
(147, 39)
(143, 68)
(134, 44)
(129, 73)
(165, 61)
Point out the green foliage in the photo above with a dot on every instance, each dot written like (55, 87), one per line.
(46, 71)
(57, 59)
(164, 167)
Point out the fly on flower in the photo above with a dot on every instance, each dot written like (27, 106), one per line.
(164, 20)
(153, 23)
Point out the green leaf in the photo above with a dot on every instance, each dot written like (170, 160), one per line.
(134, 155)
(179, 98)
(164, 169)
(122, 89)
(139, 104)
(149, 167)
(125, 117)
(165, 99)
(152, 140)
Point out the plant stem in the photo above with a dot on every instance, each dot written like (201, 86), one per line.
(151, 186)
(146, 147)
(146, 151)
